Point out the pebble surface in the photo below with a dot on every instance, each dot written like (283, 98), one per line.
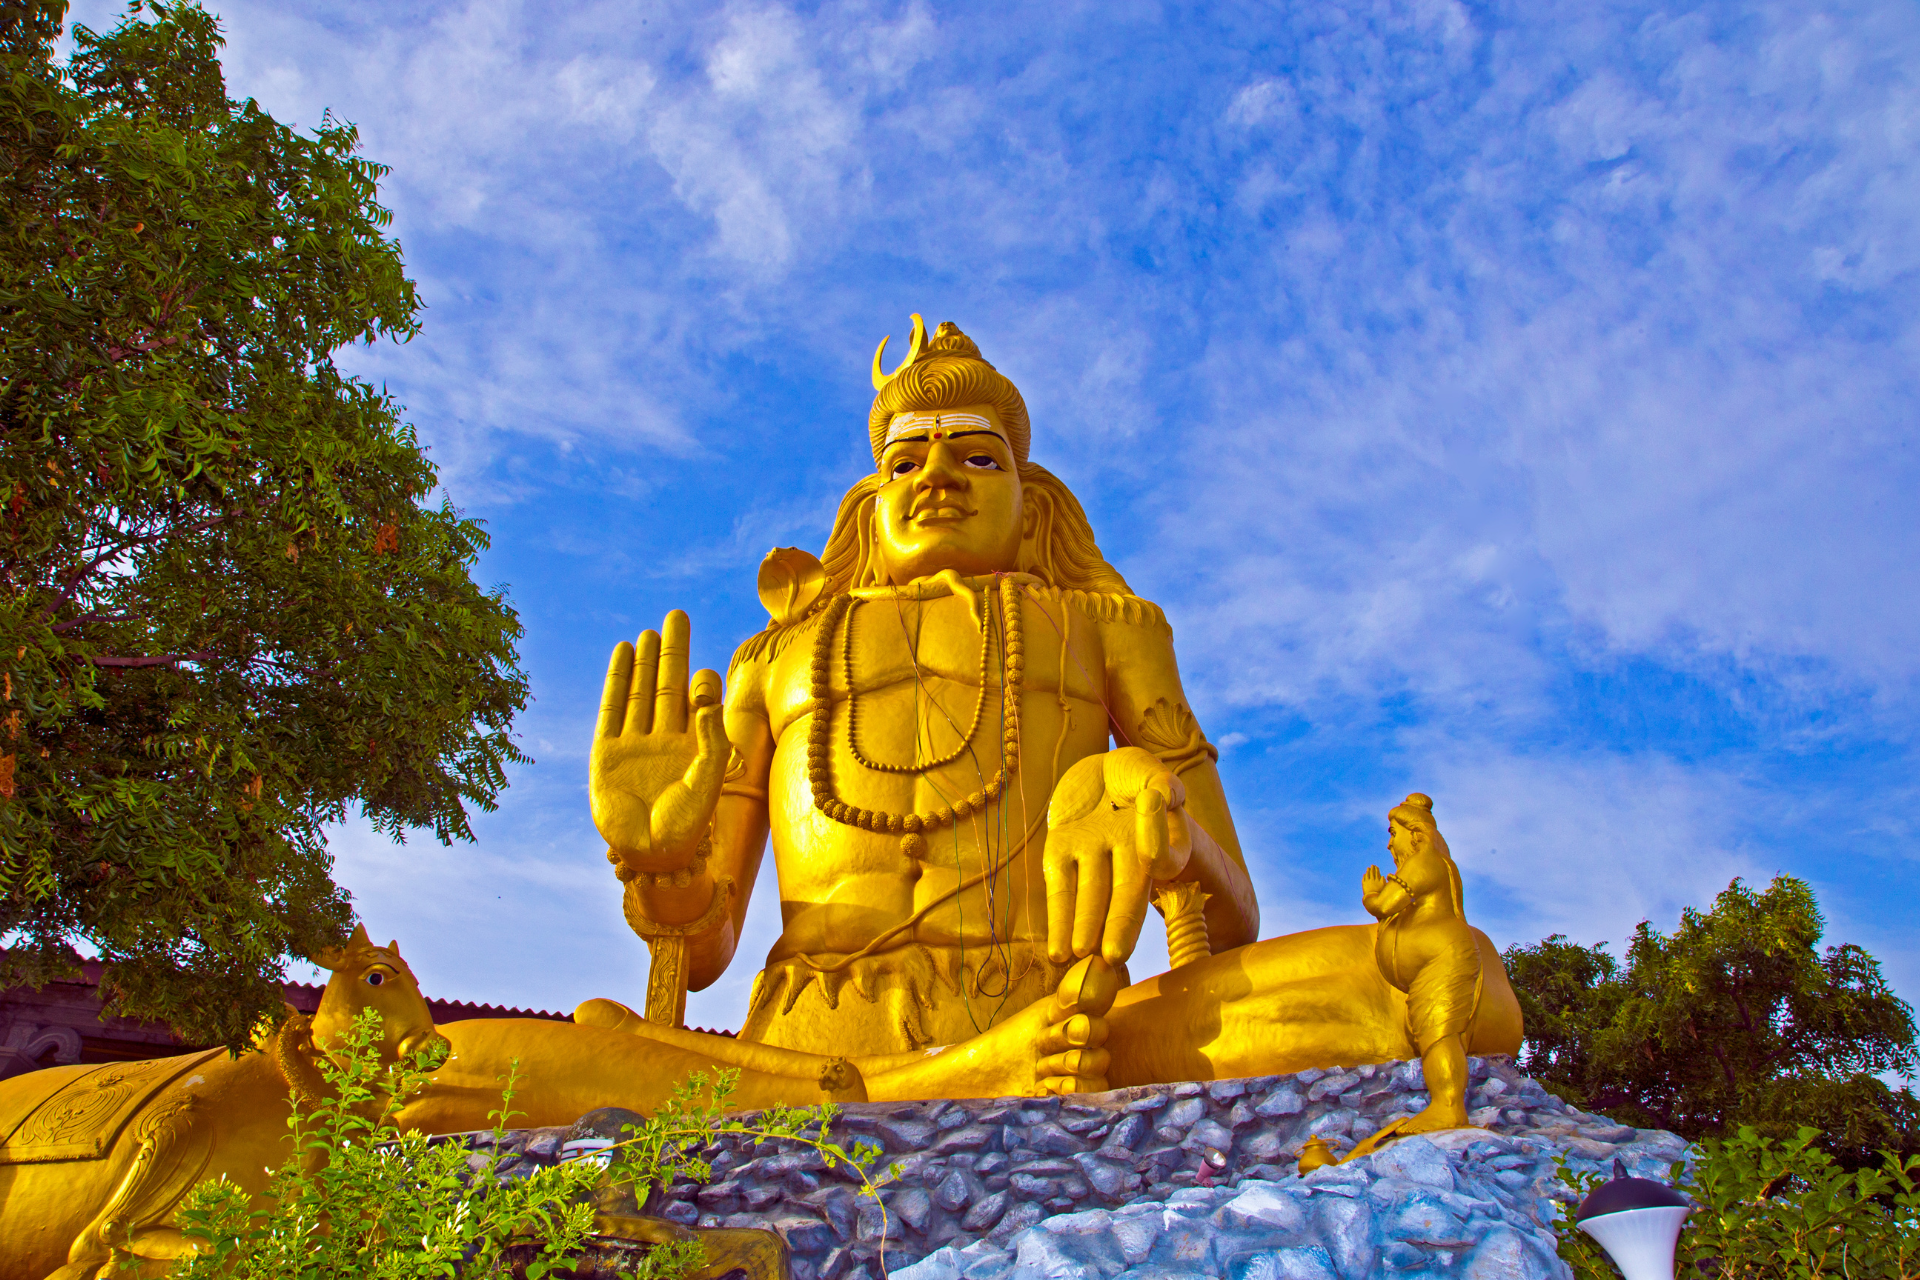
(1170, 1180)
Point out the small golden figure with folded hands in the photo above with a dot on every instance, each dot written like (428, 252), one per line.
(1426, 949)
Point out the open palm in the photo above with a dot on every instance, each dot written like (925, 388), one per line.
(659, 753)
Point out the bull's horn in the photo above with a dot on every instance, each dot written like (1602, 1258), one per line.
(915, 345)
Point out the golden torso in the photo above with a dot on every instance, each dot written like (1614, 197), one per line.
(916, 682)
(1428, 929)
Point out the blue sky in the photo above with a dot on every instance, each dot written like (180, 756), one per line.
(1514, 402)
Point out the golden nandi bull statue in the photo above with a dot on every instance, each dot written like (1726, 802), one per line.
(95, 1159)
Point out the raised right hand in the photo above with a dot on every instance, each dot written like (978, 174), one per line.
(652, 781)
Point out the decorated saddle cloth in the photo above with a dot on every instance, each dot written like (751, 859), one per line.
(76, 1113)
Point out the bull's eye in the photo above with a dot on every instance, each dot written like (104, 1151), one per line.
(375, 978)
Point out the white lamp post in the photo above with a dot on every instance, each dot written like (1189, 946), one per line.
(1637, 1221)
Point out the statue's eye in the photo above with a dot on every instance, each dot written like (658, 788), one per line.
(904, 467)
(375, 978)
(983, 461)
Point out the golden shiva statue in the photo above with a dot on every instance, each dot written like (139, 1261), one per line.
(968, 742)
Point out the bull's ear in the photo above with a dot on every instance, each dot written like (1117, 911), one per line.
(335, 957)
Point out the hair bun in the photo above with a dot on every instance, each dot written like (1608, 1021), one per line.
(947, 340)
(1420, 801)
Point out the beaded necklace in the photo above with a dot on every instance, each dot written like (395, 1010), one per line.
(912, 827)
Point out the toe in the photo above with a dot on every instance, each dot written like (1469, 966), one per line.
(1075, 1062)
(1089, 988)
(1077, 1032)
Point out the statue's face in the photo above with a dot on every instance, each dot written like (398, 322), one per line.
(1401, 841)
(951, 498)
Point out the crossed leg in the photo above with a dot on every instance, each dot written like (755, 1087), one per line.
(1055, 1045)
(1313, 999)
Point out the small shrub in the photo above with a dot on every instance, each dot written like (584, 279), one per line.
(360, 1200)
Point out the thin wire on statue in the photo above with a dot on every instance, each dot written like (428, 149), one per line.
(912, 637)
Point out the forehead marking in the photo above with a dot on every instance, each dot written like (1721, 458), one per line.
(941, 424)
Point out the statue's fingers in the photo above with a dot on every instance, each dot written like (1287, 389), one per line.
(1150, 827)
(670, 694)
(1128, 911)
(646, 666)
(706, 689)
(613, 698)
(1058, 868)
(710, 751)
(1161, 857)
(1091, 897)
(1168, 784)
(1075, 1062)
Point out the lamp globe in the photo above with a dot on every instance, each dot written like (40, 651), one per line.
(1637, 1221)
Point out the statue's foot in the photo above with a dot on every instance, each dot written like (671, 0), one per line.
(611, 1014)
(1051, 1046)
(1435, 1117)
(1074, 1061)
(1431, 1120)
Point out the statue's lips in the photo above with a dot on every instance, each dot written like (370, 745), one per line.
(943, 514)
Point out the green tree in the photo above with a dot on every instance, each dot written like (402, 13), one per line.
(229, 615)
(1736, 1019)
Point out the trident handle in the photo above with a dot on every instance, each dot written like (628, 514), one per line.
(667, 951)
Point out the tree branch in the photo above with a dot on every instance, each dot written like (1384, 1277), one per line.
(61, 628)
(152, 660)
(86, 571)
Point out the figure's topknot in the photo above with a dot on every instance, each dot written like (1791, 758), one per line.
(949, 341)
(945, 372)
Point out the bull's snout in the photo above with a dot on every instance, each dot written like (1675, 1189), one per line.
(422, 1039)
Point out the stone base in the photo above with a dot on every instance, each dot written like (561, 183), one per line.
(1130, 1183)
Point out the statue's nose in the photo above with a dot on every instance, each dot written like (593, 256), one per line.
(942, 467)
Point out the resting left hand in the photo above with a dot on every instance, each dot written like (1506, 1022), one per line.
(1114, 826)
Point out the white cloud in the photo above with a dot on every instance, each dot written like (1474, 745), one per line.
(1587, 845)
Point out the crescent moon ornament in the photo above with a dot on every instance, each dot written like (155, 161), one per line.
(915, 345)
